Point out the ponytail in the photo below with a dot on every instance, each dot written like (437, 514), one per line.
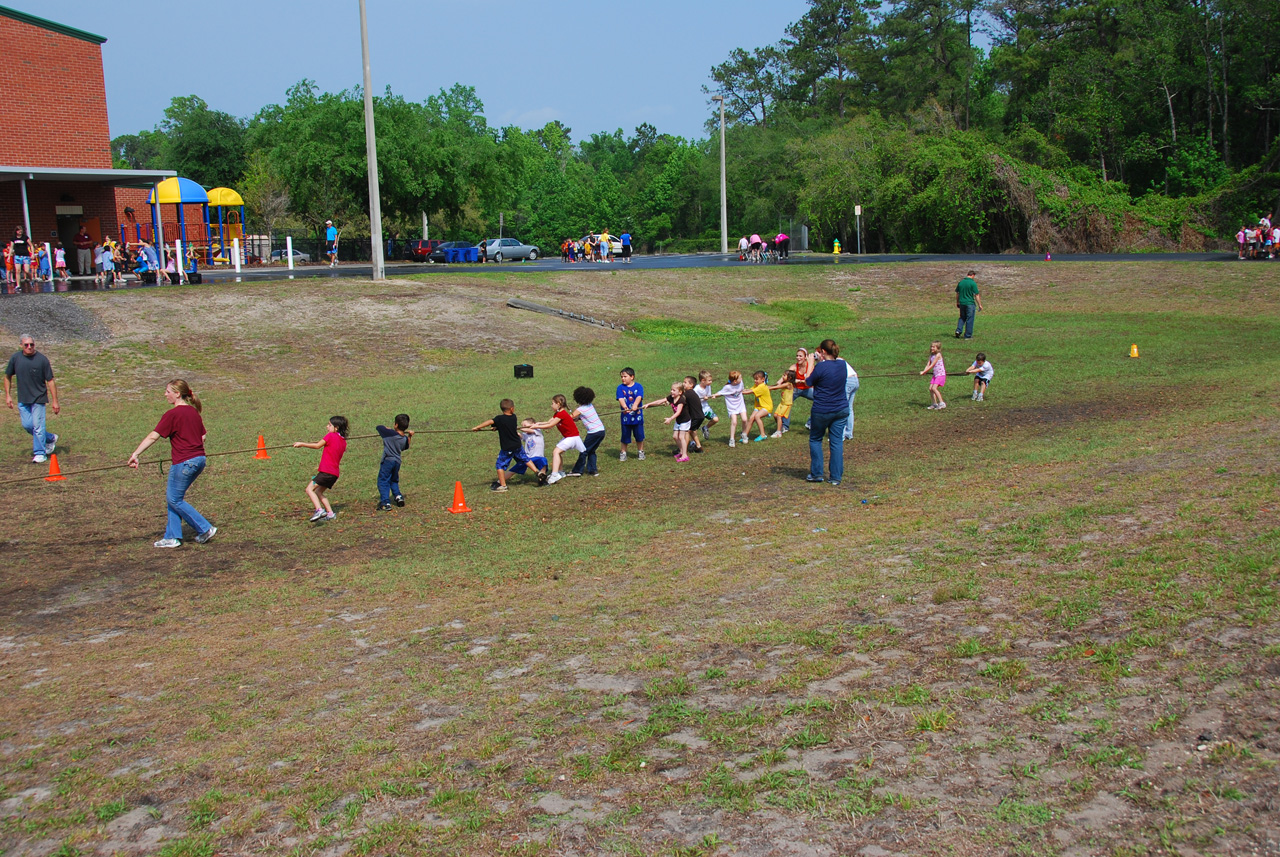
(183, 389)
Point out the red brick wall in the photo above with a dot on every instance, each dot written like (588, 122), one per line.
(53, 99)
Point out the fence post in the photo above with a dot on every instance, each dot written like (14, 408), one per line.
(288, 249)
(177, 258)
(235, 248)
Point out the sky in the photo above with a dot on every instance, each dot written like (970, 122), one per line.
(595, 68)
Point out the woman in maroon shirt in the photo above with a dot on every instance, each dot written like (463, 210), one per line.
(185, 430)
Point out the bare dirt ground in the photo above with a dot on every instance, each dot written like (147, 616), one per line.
(1017, 653)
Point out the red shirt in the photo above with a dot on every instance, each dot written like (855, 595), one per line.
(334, 445)
(185, 430)
(83, 242)
(567, 426)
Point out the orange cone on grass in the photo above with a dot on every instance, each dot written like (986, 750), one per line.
(55, 472)
(1133, 350)
(459, 502)
(262, 448)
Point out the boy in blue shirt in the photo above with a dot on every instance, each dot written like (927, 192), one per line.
(630, 396)
(394, 442)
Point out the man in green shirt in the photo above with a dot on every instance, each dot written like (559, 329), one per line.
(968, 301)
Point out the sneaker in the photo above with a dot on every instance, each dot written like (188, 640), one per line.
(169, 543)
(206, 537)
(834, 482)
(384, 507)
(554, 478)
(706, 432)
(744, 439)
(758, 438)
(498, 488)
(399, 498)
(957, 334)
(39, 459)
(640, 455)
(697, 448)
(808, 477)
(682, 458)
(731, 444)
(942, 407)
(777, 433)
(317, 515)
(807, 426)
(622, 456)
(51, 445)
(932, 408)
(329, 517)
(572, 473)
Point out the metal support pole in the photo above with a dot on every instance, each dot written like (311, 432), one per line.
(371, 151)
(177, 260)
(724, 199)
(26, 214)
(288, 249)
(235, 249)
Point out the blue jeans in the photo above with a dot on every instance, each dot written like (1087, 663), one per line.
(965, 324)
(800, 394)
(587, 459)
(388, 479)
(32, 417)
(850, 390)
(181, 476)
(824, 423)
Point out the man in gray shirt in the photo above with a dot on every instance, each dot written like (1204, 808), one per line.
(35, 389)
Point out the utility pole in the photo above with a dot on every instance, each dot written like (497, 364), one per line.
(371, 152)
(724, 200)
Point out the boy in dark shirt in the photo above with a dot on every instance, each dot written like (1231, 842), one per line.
(510, 448)
(394, 442)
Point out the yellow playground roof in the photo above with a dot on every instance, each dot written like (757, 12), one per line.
(224, 196)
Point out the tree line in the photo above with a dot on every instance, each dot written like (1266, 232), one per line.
(957, 125)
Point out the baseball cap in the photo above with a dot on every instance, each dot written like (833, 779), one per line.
(328, 221)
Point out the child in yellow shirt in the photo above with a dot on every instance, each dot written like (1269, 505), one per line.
(764, 404)
(783, 412)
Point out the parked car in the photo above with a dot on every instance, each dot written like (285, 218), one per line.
(437, 254)
(614, 244)
(420, 250)
(298, 256)
(498, 249)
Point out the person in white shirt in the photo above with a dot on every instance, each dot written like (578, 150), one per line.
(981, 371)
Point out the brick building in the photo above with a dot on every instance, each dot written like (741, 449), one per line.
(55, 152)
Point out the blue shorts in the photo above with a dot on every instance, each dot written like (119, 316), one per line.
(22, 260)
(507, 459)
(539, 462)
(630, 430)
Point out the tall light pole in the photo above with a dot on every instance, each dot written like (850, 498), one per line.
(371, 152)
(724, 200)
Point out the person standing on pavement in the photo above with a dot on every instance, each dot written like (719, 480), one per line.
(21, 256)
(35, 390)
(830, 413)
(84, 252)
(331, 239)
(968, 301)
(185, 429)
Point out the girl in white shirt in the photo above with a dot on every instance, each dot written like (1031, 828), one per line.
(733, 403)
(594, 428)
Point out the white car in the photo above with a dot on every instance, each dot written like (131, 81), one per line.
(298, 256)
(497, 249)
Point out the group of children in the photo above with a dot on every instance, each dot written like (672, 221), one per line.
(595, 248)
(522, 445)
(1257, 242)
(28, 261)
(936, 369)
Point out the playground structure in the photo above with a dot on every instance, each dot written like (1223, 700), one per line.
(213, 241)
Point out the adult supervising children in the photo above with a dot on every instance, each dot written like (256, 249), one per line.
(830, 412)
(185, 429)
(968, 301)
(35, 390)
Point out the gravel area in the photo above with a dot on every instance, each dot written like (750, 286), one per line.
(50, 318)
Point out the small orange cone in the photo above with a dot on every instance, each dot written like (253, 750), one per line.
(55, 472)
(1133, 350)
(459, 502)
(262, 448)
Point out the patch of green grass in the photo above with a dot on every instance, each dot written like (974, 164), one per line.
(112, 809)
(935, 720)
(1008, 672)
(1012, 811)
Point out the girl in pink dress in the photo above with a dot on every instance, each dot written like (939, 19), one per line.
(938, 375)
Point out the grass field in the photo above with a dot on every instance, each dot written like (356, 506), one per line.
(1046, 623)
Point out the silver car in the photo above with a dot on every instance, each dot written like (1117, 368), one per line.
(498, 249)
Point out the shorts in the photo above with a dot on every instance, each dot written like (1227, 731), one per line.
(755, 246)
(539, 462)
(696, 424)
(630, 430)
(507, 459)
(626, 251)
(783, 412)
(22, 260)
(325, 480)
(684, 426)
(761, 412)
(741, 412)
(983, 381)
(938, 381)
(709, 414)
(568, 443)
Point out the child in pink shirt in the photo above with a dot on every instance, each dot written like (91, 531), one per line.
(938, 375)
(334, 444)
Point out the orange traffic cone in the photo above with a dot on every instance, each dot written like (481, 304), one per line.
(1133, 350)
(459, 502)
(55, 472)
(262, 448)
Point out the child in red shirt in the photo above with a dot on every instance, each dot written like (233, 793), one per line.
(334, 445)
(572, 438)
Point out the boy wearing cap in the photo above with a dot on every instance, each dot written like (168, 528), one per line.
(331, 237)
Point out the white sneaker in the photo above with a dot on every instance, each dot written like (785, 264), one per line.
(318, 514)
(554, 478)
(51, 445)
(777, 433)
(39, 459)
(622, 456)
(640, 455)
(942, 406)
(169, 543)
(731, 443)
(932, 408)
(205, 538)
(745, 439)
